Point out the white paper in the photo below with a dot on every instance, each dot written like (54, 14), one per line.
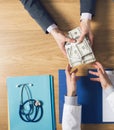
(108, 114)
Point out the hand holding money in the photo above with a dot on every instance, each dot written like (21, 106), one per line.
(86, 30)
(61, 39)
(79, 53)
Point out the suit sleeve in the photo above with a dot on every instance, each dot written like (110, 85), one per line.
(71, 119)
(87, 6)
(38, 13)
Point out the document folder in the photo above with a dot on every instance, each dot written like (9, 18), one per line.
(42, 90)
(95, 108)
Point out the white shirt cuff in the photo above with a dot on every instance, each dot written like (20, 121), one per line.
(87, 16)
(51, 27)
(109, 90)
(71, 100)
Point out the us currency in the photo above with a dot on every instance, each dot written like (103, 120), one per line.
(84, 48)
(89, 58)
(75, 34)
(73, 54)
(79, 53)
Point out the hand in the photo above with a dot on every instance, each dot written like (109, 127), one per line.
(102, 76)
(86, 31)
(71, 81)
(61, 39)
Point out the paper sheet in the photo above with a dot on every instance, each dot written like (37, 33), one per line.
(108, 114)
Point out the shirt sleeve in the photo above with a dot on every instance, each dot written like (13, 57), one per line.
(109, 90)
(71, 119)
(110, 96)
(51, 27)
(87, 16)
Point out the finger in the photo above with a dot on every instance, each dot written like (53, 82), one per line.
(95, 79)
(101, 73)
(73, 76)
(69, 40)
(93, 73)
(95, 65)
(68, 68)
(75, 71)
(81, 38)
(91, 38)
(100, 66)
(63, 51)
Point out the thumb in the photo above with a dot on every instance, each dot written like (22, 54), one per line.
(69, 40)
(73, 76)
(63, 51)
(81, 38)
(91, 37)
(100, 72)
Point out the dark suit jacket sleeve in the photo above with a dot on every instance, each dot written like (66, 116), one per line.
(38, 12)
(87, 6)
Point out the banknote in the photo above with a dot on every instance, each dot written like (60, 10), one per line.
(73, 51)
(79, 53)
(84, 48)
(73, 54)
(75, 33)
(89, 58)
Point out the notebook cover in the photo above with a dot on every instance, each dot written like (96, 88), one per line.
(42, 90)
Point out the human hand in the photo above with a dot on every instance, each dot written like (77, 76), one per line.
(61, 39)
(71, 81)
(102, 76)
(86, 31)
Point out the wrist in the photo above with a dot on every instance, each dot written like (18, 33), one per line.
(71, 94)
(54, 31)
(85, 25)
(107, 85)
(109, 90)
(85, 21)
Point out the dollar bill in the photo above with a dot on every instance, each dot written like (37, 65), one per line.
(79, 53)
(75, 33)
(73, 51)
(84, 48)
(75, 63)
(89, 58)
(73, 54)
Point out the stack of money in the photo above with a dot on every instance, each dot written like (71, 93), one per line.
(79, 53)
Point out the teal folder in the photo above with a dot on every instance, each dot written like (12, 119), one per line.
(42, 90)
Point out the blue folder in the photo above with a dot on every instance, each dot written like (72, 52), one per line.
(42, 90)
(89, 96)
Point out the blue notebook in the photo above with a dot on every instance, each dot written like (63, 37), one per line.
(42, 90)
(90, 96)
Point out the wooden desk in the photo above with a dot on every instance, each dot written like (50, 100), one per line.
(26, 50)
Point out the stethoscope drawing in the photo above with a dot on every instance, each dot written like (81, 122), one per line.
(30, 110)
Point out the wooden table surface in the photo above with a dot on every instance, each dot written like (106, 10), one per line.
(26, 50)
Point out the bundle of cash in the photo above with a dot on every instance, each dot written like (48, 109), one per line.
(79, 53)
